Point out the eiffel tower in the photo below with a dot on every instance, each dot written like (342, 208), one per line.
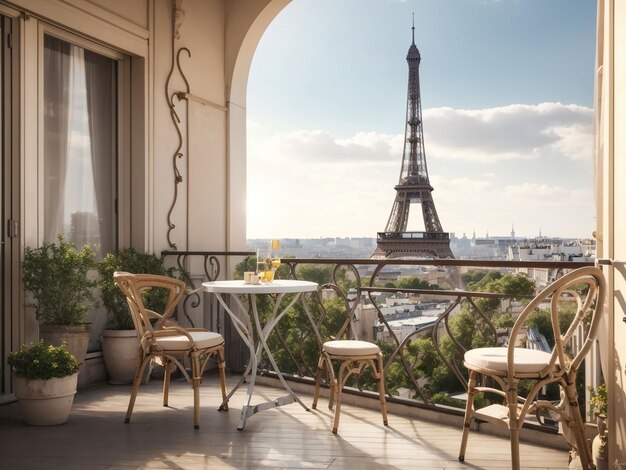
(413, 187)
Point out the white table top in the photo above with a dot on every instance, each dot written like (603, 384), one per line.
(278, 286)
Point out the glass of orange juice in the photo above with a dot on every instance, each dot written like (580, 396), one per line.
(275, 254)
(264, 265)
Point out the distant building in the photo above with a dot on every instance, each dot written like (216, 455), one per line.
(550, 250)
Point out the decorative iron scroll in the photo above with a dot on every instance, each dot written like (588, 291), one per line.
(178, 15)
(178, 178)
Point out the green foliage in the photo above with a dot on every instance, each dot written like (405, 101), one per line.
(504, 321)
(415, 283)
(322, 274)
(411, 282)
(248, 264)
(516, 286)
(56, 274)
(550, 392)
(39, 361)
(114, 301)
(542, 320)
(473, 276)
(470, 330)
(598, 401)
(477, 279)
(443, 398)
(424, 362)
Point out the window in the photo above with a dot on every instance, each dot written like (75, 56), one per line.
(80, 145)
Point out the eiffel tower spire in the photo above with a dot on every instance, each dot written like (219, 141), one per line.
(413, 185)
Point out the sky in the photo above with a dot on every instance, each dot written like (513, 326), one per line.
(507, 98)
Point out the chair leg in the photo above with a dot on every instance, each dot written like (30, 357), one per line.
(338, 391)
(514, 425)
(381, 389)
(469, 411)
(167, 366)
(141, 365)
(318, 381)
(577, 425)
(332, 391)
(514, 433)
(196, 378)
(332, 382)
(221, 364)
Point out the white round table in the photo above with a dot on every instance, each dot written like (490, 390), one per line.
(278, 286)
(246, 329)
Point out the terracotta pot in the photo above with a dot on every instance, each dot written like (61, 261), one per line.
(76, 337)
(45, 402)
(119, 348)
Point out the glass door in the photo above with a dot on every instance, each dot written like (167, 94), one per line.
(4, 327)
(9, 191)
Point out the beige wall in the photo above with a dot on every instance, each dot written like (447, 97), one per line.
(618, 428)
(222, 36)
(611, 196)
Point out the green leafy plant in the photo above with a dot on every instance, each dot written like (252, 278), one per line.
(41, 361)
(598, 402)
(56, 274)
(114, 301)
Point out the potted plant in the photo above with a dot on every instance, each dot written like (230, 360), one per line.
(44, 382)
(598, 407)
(56, 275)
(119, 339)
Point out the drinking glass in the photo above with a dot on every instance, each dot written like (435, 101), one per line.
(275, 254)
(264, 265)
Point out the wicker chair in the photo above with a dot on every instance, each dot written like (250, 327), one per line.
(506, 366)
(353, 356)
(167, 342)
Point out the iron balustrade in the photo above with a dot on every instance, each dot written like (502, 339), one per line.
(296, 342)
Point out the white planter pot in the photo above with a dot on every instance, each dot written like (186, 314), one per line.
(75, 336)
(599, 447)
(45, 402)
(119, 348)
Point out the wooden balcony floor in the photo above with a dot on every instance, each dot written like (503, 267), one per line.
(286, 437)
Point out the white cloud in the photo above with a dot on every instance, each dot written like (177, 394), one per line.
(526, 132)
(323, 146)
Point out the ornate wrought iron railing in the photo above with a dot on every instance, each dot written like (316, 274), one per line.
(358, 287)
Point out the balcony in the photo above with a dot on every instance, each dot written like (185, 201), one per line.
(424, 429)
(287, 437)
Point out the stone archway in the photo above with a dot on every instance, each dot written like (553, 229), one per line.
(245, 25)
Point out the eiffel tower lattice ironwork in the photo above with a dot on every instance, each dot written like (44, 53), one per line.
(413, 187)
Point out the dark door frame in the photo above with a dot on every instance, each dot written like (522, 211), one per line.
(10, 280)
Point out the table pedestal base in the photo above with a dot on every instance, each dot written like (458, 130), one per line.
(250, 410)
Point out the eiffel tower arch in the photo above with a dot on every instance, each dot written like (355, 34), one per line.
(413, 188)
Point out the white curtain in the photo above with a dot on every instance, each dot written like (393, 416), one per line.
(101, 83)
(56, 111)
(80, 94)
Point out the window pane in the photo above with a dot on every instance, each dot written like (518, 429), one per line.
(80, 145)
